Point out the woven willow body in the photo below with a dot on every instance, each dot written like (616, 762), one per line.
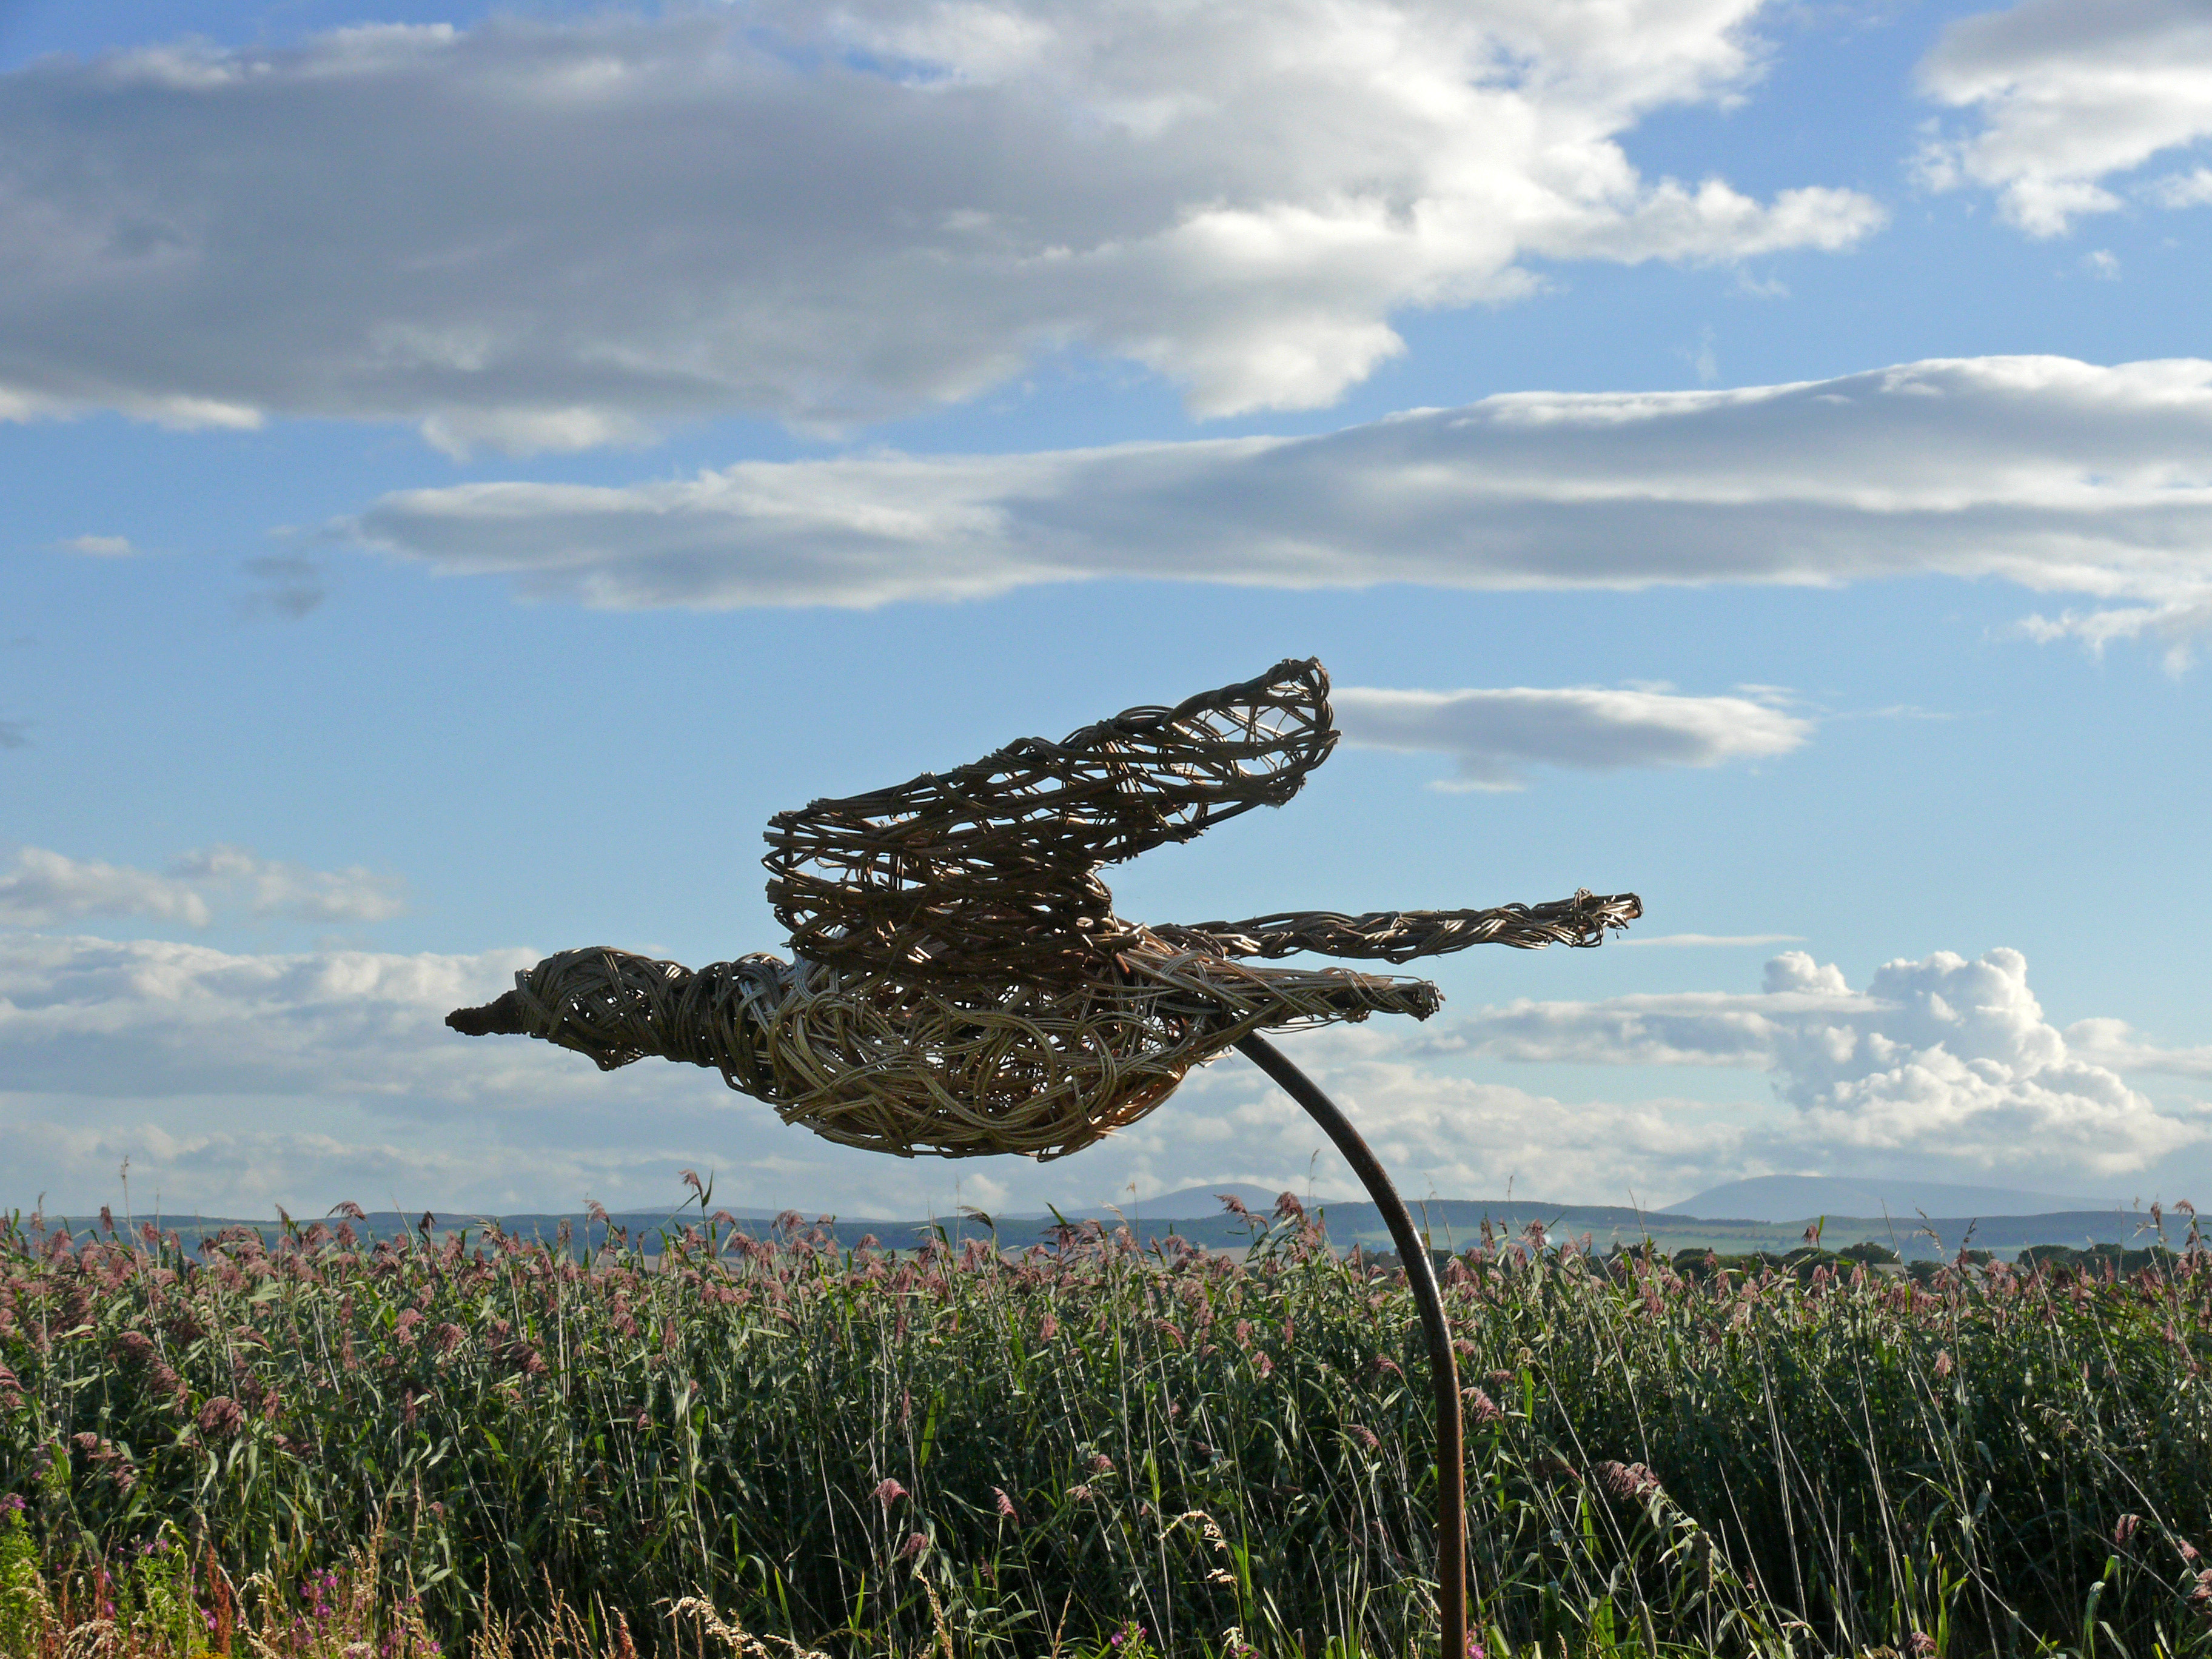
(961, 985)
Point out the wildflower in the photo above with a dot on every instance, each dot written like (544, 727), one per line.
(222, 1418)
(1481, 1407)
(1080, 1494)
(1943, 1366)
(1365, 1436)
(1100, 1464)
(914, 1544)
(889, 1491)
(1475, 1649)
(2125, 1529)
(1006, 1505)
(1131, 1635)
(1921, 1645)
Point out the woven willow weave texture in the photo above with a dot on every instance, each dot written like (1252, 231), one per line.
(961, 985)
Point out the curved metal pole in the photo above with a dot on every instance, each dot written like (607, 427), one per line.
(1444, 1370)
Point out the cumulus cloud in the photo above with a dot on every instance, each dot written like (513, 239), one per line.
(205, 1068)
(2063, 476)
(2066, 95)
(1942, 1059)
(1493, 736)
(45, 889)
(553, 234)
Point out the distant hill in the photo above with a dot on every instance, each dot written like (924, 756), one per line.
(1800, 1198)
(1194, 1203)
(1454, 1224)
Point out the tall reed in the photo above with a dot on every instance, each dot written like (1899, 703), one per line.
(876, 1452)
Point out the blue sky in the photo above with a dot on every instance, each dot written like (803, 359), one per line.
(462, 471)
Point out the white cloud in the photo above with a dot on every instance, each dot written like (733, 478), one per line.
(45, 889)
(152, 1019)
(2068, 94)
(2114, 1043)
(100, 547)
(2182, 189)
(1493, 735)
(205, 1067)
(2063, 476)
(554, 235)
(1943, 1061)
(270, 887)
(1437, 1133)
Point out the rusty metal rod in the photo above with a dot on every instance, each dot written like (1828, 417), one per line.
(1443, 1370)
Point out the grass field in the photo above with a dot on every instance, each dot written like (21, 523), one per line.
(331, 1447)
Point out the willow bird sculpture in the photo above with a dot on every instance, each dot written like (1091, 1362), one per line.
(960, 985)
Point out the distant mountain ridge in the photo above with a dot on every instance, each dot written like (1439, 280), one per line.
(1801, 1198)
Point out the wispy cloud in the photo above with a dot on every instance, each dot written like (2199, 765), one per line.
(291, 587)
(45, 889)
(100, 547)
(544, 235)
(2062, 476)
(2068, 94)
(1493, 736)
